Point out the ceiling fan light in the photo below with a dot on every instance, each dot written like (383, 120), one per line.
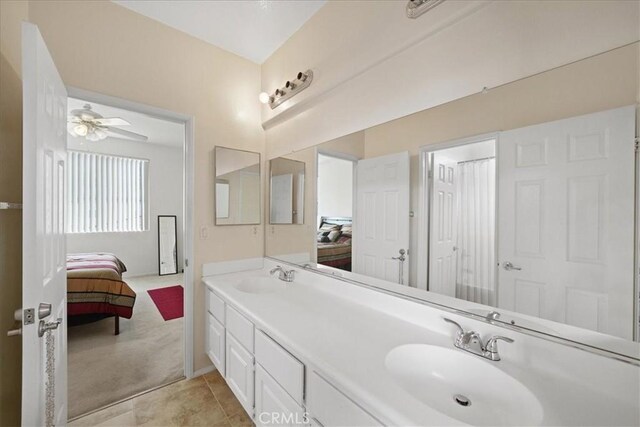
(92, 137)
(81, 130)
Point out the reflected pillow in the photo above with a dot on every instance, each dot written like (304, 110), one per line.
(347, 230)
(334, 235)
(329, 227)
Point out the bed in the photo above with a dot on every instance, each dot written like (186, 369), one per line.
(335, 252)
(95, 288)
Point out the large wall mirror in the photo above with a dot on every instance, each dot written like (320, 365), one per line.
(237, 189)
(516, 204)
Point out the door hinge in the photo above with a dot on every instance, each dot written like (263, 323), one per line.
(186, 262)
(637, 143)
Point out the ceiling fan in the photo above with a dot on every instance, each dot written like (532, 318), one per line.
(86, 123)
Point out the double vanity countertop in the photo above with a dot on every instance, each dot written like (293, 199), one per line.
(332, 328)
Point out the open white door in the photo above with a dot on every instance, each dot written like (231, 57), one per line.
(381, 228)
(566, 219)
(44, 277)
(442, 227)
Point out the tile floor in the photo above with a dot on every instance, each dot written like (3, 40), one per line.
(201, 401)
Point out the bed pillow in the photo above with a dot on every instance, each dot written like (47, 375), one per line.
(329, 227)
(347, 230)
(334, 235)
(322, 236)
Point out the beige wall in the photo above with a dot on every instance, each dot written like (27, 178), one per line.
(373, 65)
(102, 47)
(11, 13)
(602, 82)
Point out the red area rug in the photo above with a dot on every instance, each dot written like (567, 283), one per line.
(170, 301)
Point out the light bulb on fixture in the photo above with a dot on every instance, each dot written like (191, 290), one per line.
(81, 130)
(101, 134)
(264, 97)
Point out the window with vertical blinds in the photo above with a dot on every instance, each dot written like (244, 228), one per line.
(106, 193)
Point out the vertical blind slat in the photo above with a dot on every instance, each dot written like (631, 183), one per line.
(106, 193)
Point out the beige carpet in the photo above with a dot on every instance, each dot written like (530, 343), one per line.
(105, 368)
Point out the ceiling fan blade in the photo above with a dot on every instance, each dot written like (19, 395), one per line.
(111, 121)
(127, 134)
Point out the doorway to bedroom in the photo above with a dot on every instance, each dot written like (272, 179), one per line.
(125, 215)
(335, 211)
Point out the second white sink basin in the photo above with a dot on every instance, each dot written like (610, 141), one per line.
(463, 386)
(260, 285)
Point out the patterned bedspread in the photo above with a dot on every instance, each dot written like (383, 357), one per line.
(335, 254)
(95, 286)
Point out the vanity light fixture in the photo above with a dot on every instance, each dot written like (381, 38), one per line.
(416, 8)
(290, 89)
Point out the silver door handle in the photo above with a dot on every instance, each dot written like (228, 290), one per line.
(509, 266)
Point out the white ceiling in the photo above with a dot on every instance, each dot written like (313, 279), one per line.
(159, 131)
(253, 29)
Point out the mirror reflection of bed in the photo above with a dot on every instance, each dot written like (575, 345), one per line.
(334, 242)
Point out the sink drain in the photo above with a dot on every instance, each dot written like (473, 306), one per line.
(461, 400)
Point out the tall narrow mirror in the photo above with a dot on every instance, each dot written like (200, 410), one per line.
(237, 189)
(167, 245)
(286, 191)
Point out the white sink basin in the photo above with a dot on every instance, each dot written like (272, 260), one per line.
(260, 285)
(445, 379)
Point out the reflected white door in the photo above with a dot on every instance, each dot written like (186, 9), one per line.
(168, 249)
(44, 277)
(282, 199)
(566, 220)
(381, 227)
(442, 255)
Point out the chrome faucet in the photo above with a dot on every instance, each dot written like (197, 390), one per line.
(472, 342)
(285, 275)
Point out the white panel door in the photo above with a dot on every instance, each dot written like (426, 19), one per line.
(282, 199)
(442, 227)
(566, 219)
(44, 275)
(381, 227)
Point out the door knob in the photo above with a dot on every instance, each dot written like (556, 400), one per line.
(509, 266)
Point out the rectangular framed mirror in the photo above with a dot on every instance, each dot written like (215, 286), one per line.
(167, 245)
(287, 182)
(237, 187)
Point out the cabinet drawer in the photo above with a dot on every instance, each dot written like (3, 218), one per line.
(215, 305)
(281, 365)
(239, 373)
(216, 343)
(240, 327)
(274, 406)
(332, 408)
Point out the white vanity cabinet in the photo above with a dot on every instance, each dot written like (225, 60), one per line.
(268, 380)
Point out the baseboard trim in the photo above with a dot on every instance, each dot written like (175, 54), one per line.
(204, 371)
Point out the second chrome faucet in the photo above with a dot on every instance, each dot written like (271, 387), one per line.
(472, 342)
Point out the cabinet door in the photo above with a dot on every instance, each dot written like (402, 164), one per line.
(274, 406)
(239, 373)
(215, 343)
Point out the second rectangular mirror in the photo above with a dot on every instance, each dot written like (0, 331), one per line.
(237, 189)
(287, 191)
